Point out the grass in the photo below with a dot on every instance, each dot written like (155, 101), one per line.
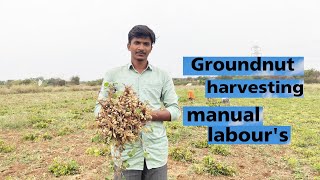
(96, 151)
(65, 131)
(61, 167)
(220, 149)
(182, 154)
(40, 125)
(30, 137)
(5, 148)
(21, 89)
(98, 138)
(47, 136)
(210, 166)
(300, 113)
(200, 144)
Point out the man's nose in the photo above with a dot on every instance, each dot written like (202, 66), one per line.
(141, 47)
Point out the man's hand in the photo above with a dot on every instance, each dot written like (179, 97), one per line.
(161, 115)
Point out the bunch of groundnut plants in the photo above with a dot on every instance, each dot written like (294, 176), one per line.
(121, 119)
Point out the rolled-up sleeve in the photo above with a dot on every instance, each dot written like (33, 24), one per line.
(170, 99)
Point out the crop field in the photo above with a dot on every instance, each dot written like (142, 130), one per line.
(51, 133)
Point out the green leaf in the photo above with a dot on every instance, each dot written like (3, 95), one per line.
(145, 154)
(151, 129)
(125, 164)
(137, 111)
(106, 84)
(132, 152)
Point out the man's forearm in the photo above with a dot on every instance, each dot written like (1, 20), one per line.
(161, 115)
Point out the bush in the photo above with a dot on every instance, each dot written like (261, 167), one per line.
(56, 82)
(94, 83)
(98, 138)
(220, 149)
(75, 80)
(34, 119)
(210, 166)
(30, 137)
(46, 136)
(5, 148)
(97, 151)
(62, 168)
(200, 144)
(316, 166)
(39, 122)
(65, 131)
(312, 76)
(40, 125)
(182, 154)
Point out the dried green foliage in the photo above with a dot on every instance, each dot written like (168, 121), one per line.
(182, 154)
(4, 148)
(200, 144)
(96, 151)
(98, 138)
(121, 118)
(210, 166)
(220, 149)
(61, 167)
(31, 137)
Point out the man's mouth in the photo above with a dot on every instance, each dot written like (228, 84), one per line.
(140, 54)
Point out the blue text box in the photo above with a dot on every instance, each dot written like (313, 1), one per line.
(241, 88)
(254, 66)
(222, 116)
(249, 135)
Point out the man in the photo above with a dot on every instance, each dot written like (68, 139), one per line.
(156, 87)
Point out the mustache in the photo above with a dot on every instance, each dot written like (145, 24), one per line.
(140, 52)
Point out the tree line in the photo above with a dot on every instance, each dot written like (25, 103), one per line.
(74, 80)
(310, 76)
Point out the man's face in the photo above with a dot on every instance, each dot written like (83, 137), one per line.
(140, 48)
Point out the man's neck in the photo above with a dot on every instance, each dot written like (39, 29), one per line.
(140, 66)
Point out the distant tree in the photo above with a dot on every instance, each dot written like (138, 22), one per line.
(10, 82)
(312, 76)
(75, 80)
(202, 80)
(97, 82)
(40, 78)
(224, 77)
(56, 82)
(26, 81)
(62, 82)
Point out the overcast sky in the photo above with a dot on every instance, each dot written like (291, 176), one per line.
(62, 38)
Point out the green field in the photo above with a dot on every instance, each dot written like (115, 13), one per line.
(42, 129)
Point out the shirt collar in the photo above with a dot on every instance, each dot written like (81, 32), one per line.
(149, 66)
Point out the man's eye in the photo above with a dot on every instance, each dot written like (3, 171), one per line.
(146, 44)
(136, 43)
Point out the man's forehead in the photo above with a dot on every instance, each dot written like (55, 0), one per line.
(141, 39)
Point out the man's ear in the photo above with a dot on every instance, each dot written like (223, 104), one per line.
(128, 46)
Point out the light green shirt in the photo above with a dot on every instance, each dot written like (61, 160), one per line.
(156, 87)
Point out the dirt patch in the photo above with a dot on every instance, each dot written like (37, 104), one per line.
(32, 159)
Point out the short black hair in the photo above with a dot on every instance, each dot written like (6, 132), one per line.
(141, 31)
